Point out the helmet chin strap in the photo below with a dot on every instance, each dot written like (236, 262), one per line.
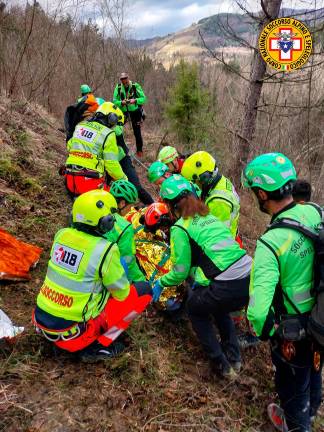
(211, 181)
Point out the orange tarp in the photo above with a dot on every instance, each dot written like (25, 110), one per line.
(16, 257)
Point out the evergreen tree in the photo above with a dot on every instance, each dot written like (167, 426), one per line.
(187, 107)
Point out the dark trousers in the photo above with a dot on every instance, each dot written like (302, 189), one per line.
(129, 170)
(298, 386)
(215, 302)
(136, 120)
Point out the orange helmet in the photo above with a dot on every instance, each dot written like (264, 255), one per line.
(157, 215)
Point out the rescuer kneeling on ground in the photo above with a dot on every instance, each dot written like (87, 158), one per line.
(86, 301)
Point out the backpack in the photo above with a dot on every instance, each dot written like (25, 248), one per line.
(315, 325)
(73, 115)
(133, 92)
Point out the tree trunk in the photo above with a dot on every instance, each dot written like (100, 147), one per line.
(271, 10)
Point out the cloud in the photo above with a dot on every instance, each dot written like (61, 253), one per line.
(157, 18)
(149, 18)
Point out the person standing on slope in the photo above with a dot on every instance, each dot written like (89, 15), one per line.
(130, 98)
(281, 295)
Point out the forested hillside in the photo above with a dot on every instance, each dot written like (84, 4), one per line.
(162, 382)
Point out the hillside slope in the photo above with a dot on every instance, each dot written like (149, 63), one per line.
(187, 43)
(219, 33)
(161, 384)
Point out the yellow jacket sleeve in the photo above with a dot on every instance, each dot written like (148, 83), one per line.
(113, 275)
(111, 158)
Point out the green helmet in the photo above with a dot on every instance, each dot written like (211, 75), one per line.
(84, 89)
(100, 100)
(269, 172)
(175, 187)
(156, 170)
(167, 154)
(125, 190)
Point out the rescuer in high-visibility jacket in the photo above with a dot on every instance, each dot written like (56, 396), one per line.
(86, 301)
(130, 98)
(200, 241)
(282, 294)
(125, 194)
(217, 191)
(93, 154)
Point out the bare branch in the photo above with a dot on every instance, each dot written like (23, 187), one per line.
(15, 73)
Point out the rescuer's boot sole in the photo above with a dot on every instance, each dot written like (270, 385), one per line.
(97, 352)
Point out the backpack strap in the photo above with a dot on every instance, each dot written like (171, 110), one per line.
(134, 90)
(104, 258)
(121, 234)
(119, 91)
(295, 225)
(207, 265)
(317, 207)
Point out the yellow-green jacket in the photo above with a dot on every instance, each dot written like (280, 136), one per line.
(94, 147)
(133, 91)
(82, 273)
(283, 262)
(224, 203)
(203, 242)
(123, 235)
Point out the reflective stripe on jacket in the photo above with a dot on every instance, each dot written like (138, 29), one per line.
(93, 146)
(82, 272)
(284, 260)
(224, 203)
(202, 241)
(123, 234)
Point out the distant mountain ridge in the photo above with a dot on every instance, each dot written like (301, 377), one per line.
(219, 32)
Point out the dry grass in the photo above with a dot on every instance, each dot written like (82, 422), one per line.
(161, 384)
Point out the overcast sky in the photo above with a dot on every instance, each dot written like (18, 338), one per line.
(160, 17)
(150, 18)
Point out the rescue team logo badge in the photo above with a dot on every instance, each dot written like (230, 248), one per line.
(285, 44)
(67, 257)
(85, 134)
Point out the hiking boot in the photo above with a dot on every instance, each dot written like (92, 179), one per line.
(222, 368)
(247, 340)
(277, 417)
(97, 352)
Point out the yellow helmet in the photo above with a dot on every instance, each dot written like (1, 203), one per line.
(199, 166)
(108, 108)
(92, 211)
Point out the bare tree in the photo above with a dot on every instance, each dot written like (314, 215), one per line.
(278, 111)
(270, 11)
